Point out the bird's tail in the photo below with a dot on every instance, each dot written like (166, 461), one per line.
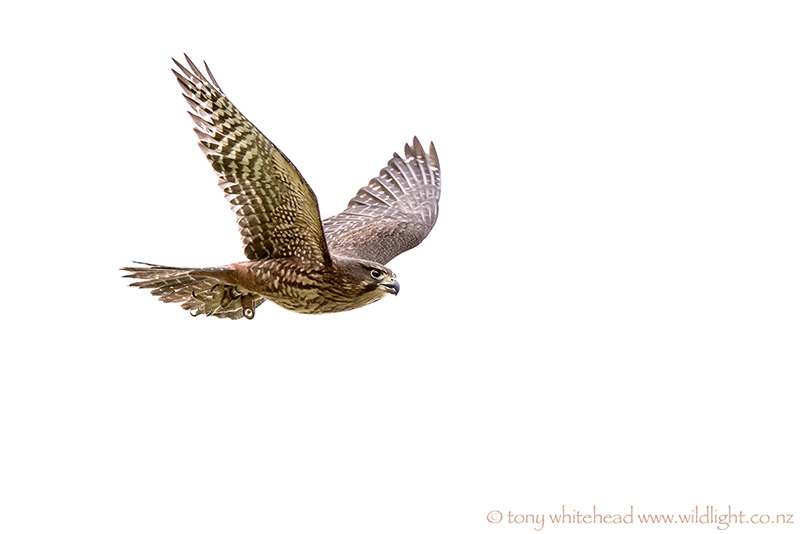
(211, 292)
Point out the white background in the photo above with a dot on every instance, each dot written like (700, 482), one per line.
(605, 314)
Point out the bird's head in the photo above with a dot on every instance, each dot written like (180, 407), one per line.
(370, 277)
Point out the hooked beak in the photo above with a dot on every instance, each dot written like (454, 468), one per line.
(392, 287)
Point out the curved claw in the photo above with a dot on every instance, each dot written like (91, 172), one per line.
(225, 300)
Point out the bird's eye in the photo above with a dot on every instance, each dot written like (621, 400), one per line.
(375, 273)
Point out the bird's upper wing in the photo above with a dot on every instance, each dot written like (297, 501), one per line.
(393, 213)
(277, 211)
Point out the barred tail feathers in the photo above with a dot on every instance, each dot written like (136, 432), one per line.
(211, 292)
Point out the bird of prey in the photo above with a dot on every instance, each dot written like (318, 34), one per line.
(296, 259)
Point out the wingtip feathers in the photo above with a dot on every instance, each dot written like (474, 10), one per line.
(434, 157)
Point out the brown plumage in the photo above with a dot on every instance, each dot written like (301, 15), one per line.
(297, 260)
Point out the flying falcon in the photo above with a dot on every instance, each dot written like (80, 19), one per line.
(296, 259)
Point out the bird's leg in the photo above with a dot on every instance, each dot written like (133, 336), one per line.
(247, 306)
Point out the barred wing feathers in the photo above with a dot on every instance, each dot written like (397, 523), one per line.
(276, 210)
(393, 213)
